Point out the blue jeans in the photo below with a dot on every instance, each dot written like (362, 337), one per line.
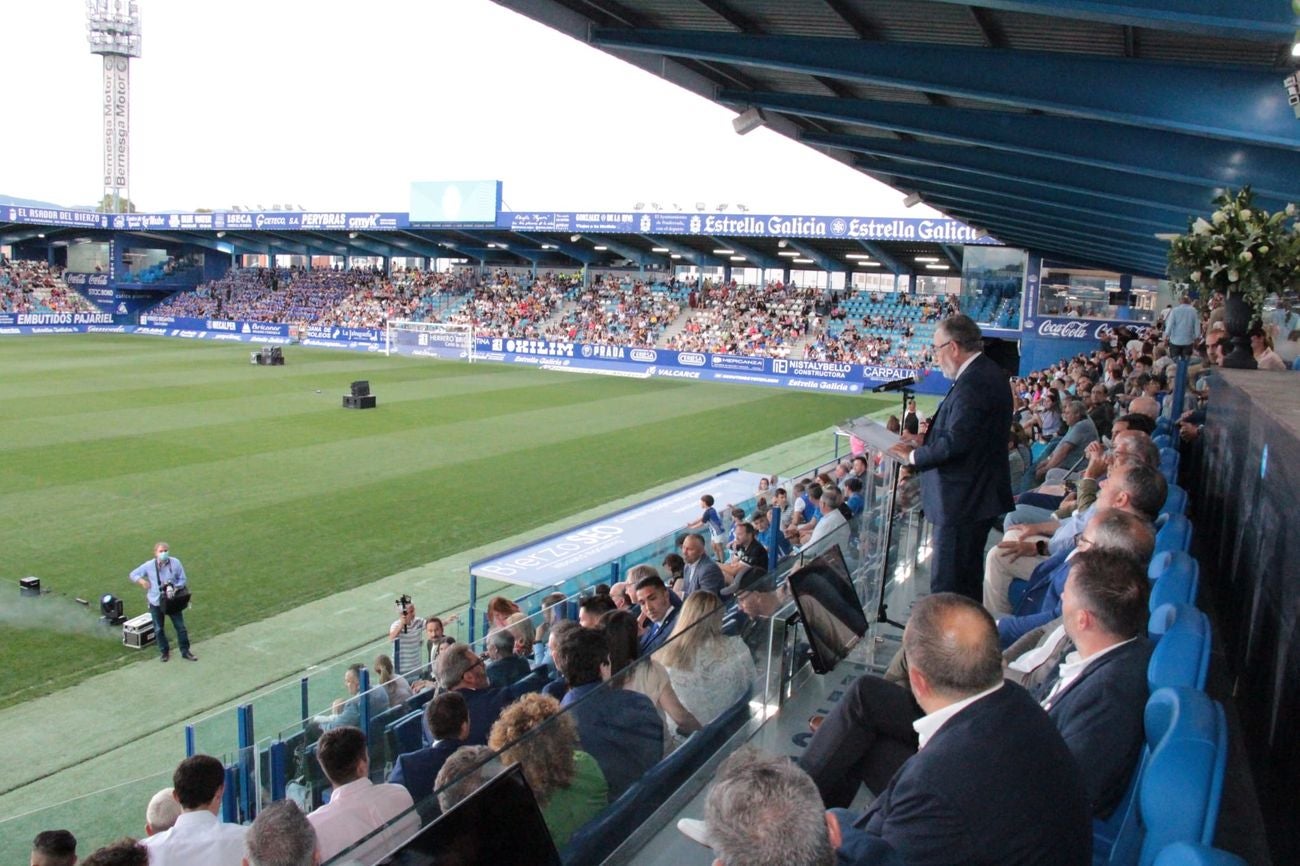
(1025, 514)
(178, 622)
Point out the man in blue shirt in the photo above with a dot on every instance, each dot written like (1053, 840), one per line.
(158, 577)
(1182, 327)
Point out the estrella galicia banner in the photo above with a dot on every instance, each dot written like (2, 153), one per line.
(937, 230)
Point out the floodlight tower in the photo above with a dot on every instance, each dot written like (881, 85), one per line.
(113, 30)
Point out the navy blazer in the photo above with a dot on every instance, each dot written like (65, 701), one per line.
(485, 705)
(507, 671)
(1041, 602)
(621, 729)
(418, 771)
(705, 575)
(1100, 717)
(965, 477)
(656, 636)
(995, 785)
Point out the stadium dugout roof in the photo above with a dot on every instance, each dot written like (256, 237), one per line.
(1080, 129)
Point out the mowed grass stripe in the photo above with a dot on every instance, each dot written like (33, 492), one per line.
(363, 495)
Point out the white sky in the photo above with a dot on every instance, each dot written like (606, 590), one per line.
(340, 105)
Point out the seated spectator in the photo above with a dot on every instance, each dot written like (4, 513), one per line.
(993, 781)
(346, 712)
(708, 671)
(646, 676)
(1019, 457)
(461, 775)
(831, 520)
(396, 689)
(447, 717)
(162, 812)
(460, 668)
(700, 572)
(124, 852)
(769, 535)
(619, 728)
(747, 550)
(675, 566)
(1261, 346)
(521, 626)
(567, 782)
(592, 608)
(658, 613)
(198, 836)
(1068, 453)
(764, 810)
(552, 612)
(504, 668)
(55, 848)
(357, 806)
(281, 835)
(557, 687)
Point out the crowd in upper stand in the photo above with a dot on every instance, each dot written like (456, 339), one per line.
(618, 313)
(35, 287)
(746, 320)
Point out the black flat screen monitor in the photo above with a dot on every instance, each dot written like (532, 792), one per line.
(828, 605)
(475, 830)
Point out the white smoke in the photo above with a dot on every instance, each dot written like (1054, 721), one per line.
(55, 613)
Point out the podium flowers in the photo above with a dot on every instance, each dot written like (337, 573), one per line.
(1240, 250)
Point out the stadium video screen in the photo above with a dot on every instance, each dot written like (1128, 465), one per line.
(465, 201)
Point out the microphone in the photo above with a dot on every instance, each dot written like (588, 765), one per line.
(898, 384)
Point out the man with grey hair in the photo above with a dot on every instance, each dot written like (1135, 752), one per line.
(1069, 452)
(460, 668)
(161, 813)
(962, 459)
(504, 668)
(765, 811)
(281, 835)
(830, 521)
(992, 780)
(461, 775)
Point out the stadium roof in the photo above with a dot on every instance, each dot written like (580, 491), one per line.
(1077, 128)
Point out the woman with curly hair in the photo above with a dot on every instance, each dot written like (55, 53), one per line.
(708, 670)
(567, 782)
(500, 609)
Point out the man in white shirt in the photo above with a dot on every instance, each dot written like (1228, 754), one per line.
(199, 837)
(831, 519)
(357, 806)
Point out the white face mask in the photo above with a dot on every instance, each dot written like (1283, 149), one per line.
(163, 555)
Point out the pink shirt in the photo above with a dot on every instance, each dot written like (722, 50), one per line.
(361, 807)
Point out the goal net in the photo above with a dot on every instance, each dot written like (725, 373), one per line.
(429, 339)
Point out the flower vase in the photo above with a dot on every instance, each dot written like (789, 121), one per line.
(1236, 317)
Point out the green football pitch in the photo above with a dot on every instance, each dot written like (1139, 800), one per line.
(273, 495)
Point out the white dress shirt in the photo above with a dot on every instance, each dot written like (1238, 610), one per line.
(358, 808)
(197, 838)
(1073, 665)
(927, 726)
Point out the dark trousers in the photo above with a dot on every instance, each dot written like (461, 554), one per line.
(178, 623)
(957, 564)
(864, 739)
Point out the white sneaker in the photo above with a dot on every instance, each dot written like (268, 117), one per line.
(695, 830)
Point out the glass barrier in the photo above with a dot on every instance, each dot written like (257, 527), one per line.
(704, 685)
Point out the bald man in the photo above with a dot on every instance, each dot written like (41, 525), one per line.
(992, 780)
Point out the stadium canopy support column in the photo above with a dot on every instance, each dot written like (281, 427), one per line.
(586, 276)
(473, 595)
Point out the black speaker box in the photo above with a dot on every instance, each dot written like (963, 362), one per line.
(353, 402)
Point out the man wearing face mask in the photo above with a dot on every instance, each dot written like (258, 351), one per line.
(161, 577)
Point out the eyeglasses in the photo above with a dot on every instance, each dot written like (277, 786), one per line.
(941, 345)
(1083, 542)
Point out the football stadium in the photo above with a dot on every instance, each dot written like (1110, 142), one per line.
(676, 534)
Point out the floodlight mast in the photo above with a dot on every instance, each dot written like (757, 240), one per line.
(113, 31)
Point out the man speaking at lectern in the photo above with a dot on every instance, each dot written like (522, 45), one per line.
(965, 480)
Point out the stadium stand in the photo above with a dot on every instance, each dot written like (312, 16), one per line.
(36, 287)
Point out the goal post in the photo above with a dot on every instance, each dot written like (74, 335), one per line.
(429, 339)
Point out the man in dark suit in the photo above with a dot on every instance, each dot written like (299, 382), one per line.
(658, 612)
(504, 668)
(700, 573)
(618, 727)
(1098, 697)
(911, 420)
(461, 669)
(447, 716)
(993, 781)
(965, 482)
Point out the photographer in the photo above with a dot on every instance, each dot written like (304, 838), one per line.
(408, 631)
(163, 579)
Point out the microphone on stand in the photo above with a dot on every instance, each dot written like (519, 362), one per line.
(899, 384)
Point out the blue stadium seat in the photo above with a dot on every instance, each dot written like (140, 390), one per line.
(1182, 656)
(1175, 579)
(1295, 365)
(1175, 501)
(1169, 460)
(1194, 854)
(1175, 534)
(406, 733)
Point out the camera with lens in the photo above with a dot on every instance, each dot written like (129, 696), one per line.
(403, 606)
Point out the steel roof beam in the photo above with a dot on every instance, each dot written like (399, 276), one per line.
(1202, 100)
(896, 267)
(752, 256)
(689, 253)
(823, 261)
(1262, 20)
(1172, 156)
(1052, 174)
(576, 253)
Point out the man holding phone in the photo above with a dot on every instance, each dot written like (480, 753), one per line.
(161, 578)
